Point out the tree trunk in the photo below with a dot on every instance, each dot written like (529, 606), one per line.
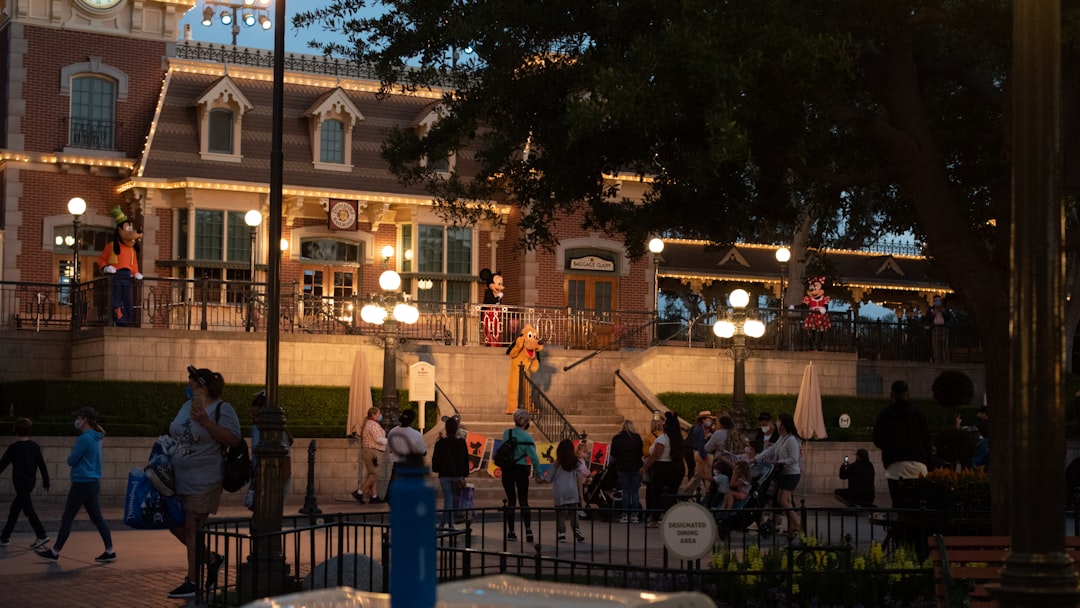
(982, 285)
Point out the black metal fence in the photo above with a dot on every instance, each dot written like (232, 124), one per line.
(847, 556)
(219, 305)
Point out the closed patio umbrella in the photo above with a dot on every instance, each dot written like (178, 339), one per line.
(359, 395)
(808, 417)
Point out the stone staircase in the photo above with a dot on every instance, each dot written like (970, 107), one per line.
(586, 400)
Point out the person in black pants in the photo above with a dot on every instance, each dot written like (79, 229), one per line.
(515, 480)
(903, 436)
(26, 460)
(665, 464)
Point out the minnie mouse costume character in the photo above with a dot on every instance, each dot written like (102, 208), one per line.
(490, 318)
(120, 259)
(817, 320)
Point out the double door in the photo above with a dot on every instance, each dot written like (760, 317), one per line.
(591, 300)
(329, 293)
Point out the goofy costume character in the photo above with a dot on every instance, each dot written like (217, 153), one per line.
(120, 259)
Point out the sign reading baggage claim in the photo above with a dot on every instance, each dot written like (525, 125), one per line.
(689, 531)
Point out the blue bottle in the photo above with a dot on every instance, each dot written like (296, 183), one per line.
(412, 537)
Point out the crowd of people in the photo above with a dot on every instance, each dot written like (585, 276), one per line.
(710, 462)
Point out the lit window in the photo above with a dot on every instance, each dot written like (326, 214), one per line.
(445, 250)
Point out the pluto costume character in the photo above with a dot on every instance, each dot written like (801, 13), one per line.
(120, 259)
(523, 353)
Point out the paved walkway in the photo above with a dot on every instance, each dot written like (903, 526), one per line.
(149, 562)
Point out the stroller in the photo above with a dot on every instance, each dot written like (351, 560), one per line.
(763, 489)
(602, 489)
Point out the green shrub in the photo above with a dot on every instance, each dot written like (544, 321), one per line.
(145, 409)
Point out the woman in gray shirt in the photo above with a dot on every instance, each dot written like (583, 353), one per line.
(786, 454)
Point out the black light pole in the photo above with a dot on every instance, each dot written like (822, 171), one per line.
(783, 256)
(388, 309)
(266, 555)
(252, 218)
(76, 207)
(656, 247)
(738, 325)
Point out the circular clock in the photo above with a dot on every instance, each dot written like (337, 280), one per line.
(99, 5)
(343, 215)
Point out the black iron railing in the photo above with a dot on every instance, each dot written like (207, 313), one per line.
(545, 416)
(219, 305)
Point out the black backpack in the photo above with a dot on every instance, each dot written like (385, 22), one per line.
(237, 467)
(504, 456)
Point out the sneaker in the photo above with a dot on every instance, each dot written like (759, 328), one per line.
(624, 519)
(375, 500)
(634, 519)
(579, 536)
(37, 544)
(106, 557)
(562, 537)
(511, 536)
(186, 589)
(48, 555)
(213, 569)
(4, 542)
(653, 524)
(528, 536)
(358, 496)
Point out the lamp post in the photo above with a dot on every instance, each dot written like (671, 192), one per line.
(388, 309)
(656, 247)
(235, 12)
(783, 256)
(76, 207)
(252, 218)
(738, 324)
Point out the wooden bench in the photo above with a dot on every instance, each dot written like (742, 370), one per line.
(964, 565)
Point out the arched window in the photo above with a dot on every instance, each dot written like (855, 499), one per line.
(93, 110)
(332, 142)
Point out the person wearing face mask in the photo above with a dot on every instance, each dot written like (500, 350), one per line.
(767, 434)
(696, 439)
(372, 448)
(204, 428)
(85, 463)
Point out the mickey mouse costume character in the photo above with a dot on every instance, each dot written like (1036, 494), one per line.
(493, 294)
(817, 320)
(120, 259)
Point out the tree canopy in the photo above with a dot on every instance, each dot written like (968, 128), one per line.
(746, 118)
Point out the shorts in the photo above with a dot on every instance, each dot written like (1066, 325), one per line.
(790, 482)
(370, 458)
(203, 504)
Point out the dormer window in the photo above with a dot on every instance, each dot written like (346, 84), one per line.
(332, 142)
(332, 118)
(221, 112)
(427, 120)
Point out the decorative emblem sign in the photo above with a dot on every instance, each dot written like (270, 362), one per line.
(342, 215)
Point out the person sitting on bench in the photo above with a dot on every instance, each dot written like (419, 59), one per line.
(860, 478)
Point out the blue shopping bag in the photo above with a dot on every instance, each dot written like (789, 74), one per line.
(146, 509)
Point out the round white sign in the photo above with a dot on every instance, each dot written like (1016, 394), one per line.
(689, 531)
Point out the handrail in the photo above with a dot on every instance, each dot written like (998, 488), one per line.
(548, 419)
(608, 346)
(439, 391)
(641, 398)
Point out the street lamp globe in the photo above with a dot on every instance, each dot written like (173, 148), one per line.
(656, 245)
(754, 328)
(76, 206)
(253, 218)
(724, 328)
(389, 280)
(406, 313)
(739, 298)
(783, 255)
(388, 252)
(376, 315)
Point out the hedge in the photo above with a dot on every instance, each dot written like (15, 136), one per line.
(145, 409)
